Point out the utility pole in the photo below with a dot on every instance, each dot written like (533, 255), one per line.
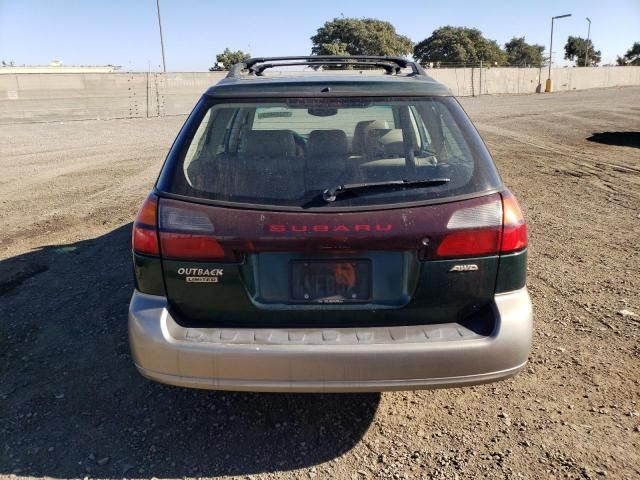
(549, 86)
(164, 65)
(586, 53)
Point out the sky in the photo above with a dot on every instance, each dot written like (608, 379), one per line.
(125, 32)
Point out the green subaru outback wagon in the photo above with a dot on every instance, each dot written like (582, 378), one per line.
(335, 230)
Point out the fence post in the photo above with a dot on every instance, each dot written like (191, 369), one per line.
(473, 89)
(147, 94)
(480, 76)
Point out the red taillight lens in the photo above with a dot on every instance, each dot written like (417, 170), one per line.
(514, 236)
(145, 240)
(144, 235)
(183, 245)
(187, 232)
(470, 243)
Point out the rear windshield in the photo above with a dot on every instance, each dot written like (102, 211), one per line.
(287, 152)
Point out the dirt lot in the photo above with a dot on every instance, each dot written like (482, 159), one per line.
(72, 405)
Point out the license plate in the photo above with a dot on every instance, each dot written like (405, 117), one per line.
(330, 281)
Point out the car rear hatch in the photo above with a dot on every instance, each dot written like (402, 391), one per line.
(422, 265)
(247, 234)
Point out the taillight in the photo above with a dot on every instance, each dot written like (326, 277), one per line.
(187, 232)
(489, 229)
(144, 236)
(472, 232)
(514, 235)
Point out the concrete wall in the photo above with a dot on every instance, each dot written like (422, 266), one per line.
(59, 97)
(52, 97)
(58, 69)
(486, 81)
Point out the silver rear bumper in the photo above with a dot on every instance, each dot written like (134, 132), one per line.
(329, 360)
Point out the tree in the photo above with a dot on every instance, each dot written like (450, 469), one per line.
(576, 48)
(338, 48)
(632, 57)
(459, 45)
(355, 36)
(523, 54)
(228, 59)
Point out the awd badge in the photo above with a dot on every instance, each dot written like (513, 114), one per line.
(469, 267)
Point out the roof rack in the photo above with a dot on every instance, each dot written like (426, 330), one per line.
(388, 67)
(256, 66)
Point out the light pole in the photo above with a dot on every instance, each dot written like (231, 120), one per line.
(586, 53)
(548, 86)
(164, 66)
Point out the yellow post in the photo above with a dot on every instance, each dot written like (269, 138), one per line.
(548, 86)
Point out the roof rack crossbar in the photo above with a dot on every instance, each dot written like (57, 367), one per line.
(253, 65)
(399, 60)
(390, 68)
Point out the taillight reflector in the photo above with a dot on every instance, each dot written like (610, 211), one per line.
(144, 236)
(480, 216)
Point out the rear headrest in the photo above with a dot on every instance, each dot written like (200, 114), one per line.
(270, 143)
(361, 131)
(331, 143)
(384, 143)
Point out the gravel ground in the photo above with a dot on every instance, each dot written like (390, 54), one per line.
(72, 404)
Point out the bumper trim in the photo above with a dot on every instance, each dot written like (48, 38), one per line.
(329, 360)
(330, 386)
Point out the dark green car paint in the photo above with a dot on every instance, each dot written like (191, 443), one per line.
(429, 292)
(238, 299)
(394, 277)
(147, 273)
(512, 273)
(328, 86)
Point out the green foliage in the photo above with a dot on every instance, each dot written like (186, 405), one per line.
(576, 48)
(523, 54)
(354, 36)
(459, 45)
(337, 48)
(632, 57)
(229, 59)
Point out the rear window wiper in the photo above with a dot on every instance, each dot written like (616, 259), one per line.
(330, 194)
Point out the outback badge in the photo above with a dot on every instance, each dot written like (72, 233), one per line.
(201, 275)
